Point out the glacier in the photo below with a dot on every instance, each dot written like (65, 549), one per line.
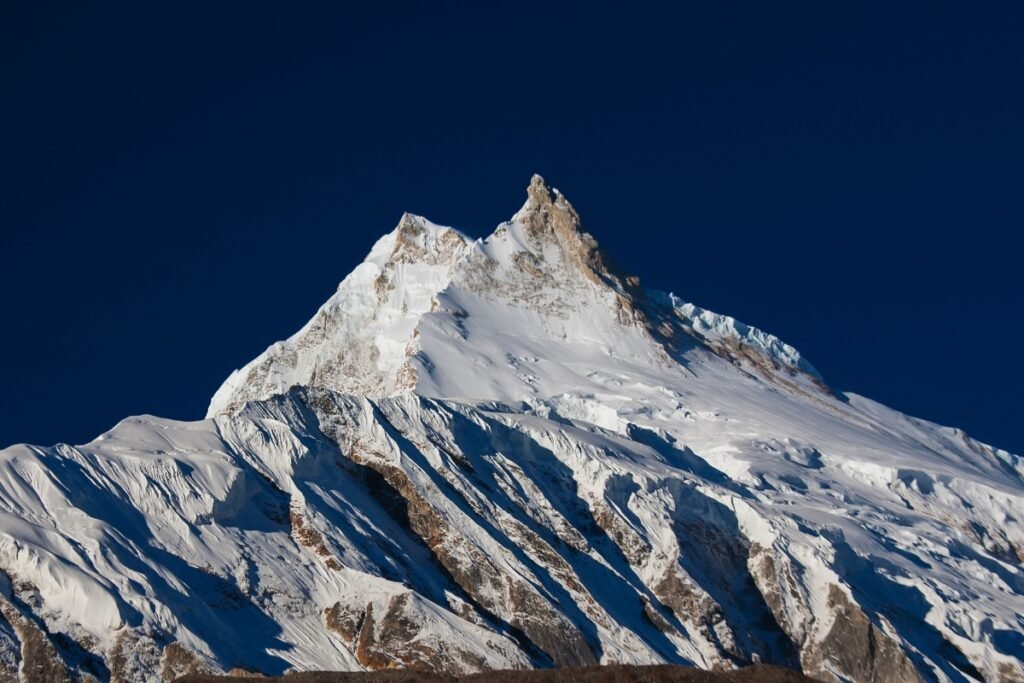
(506, 453)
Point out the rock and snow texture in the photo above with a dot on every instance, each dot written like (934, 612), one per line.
(504, 453)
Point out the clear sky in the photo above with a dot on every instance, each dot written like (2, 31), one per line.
(181, 184)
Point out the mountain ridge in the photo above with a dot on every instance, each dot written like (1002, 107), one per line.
(504, 453)
(544, 241)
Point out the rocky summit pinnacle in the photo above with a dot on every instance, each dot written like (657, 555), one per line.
(501, 453)
(538, 191)
(547, 211)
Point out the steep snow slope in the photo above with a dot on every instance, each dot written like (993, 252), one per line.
(360, 340)
(505, 453)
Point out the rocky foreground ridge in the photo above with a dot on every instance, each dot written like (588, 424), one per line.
(507, 454)
(609, 673)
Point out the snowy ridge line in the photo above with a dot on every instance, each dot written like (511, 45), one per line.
(368, 337)
(502, 454)
(714, 325)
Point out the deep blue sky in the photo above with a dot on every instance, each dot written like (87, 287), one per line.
(181, 185)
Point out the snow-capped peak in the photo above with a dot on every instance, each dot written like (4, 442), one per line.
(416, 240)
(359, 340)
(433, 310)
(504, 453)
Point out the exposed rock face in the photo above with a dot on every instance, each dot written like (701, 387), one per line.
(133, 656)
(858, 648)
(502, 454)
(345, 620)
(396, 632)
(361, 340)
(39, 659)
(549, 218)
(496, 591)
(178, 661)
(313, 539)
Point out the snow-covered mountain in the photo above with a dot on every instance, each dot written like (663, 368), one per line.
(505, 453)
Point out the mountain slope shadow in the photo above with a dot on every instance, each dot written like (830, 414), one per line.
(612, 582)
(906, 608)
(715, 553)
(208, 605)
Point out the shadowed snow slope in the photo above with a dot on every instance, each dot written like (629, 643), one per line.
(505, 453)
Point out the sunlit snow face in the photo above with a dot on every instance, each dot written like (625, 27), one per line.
(529, 312)
(503, 454)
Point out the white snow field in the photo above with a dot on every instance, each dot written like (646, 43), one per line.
(503, 453)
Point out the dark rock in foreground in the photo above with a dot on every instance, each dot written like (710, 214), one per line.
(594, 674)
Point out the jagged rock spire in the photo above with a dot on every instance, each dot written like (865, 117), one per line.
(538, 192)
(548, 214)
(550, 206)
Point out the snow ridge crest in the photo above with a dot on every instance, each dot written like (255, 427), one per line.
(401, 320)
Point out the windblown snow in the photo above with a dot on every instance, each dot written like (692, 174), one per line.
(505, 453)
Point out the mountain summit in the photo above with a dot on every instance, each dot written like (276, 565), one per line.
(506, 453)
(526, 314)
